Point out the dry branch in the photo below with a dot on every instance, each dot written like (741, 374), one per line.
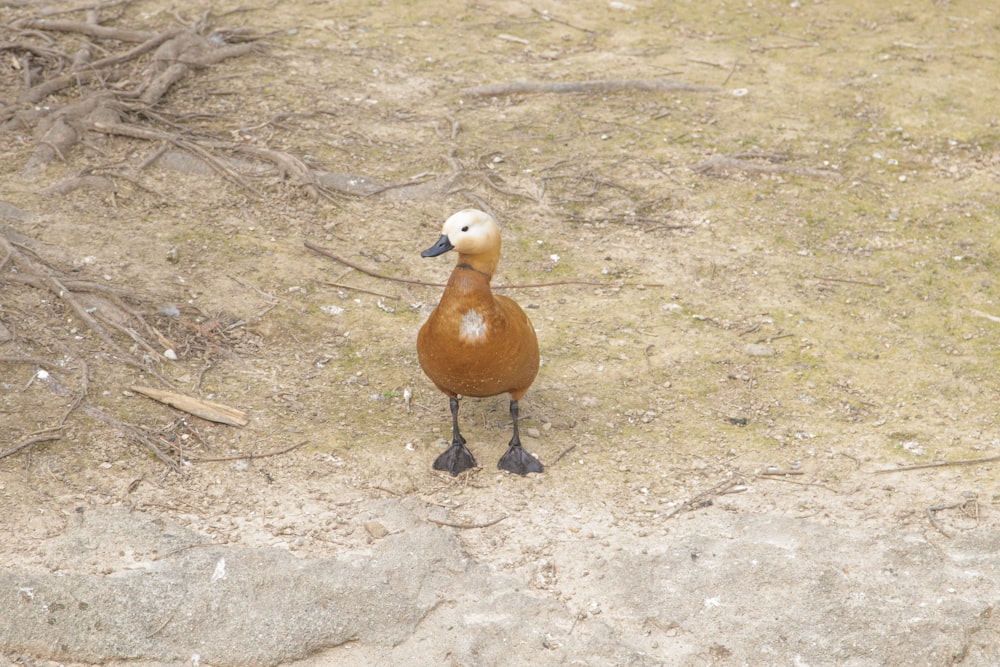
(38, 274)
(68, 185)
(209, 410)
(39, 92)
(563, 453)
(852, 281)
(189, 144)
(720, 164)
(943, 464)
(27, 442)
(125, 428)
(705, 498)
(89, 29)
(467, 526)
(596, 86)
(244, 457)
(409, 281)
(965, 505)
(49, 279)
(134, 431)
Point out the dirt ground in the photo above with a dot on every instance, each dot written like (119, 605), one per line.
(763, 291)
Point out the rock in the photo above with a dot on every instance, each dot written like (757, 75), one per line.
(376, 530)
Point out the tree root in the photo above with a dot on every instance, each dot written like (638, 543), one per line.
(118, 95)
(39, 274)
(58, 128)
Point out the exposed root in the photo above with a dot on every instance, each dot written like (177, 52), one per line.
(115, 93)
(51, 281)
(119, 93)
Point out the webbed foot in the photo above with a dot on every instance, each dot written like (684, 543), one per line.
(518, 460)
(455, 459)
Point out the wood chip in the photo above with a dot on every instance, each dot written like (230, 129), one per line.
(215, 412)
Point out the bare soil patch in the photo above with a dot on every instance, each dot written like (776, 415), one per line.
(756, 240)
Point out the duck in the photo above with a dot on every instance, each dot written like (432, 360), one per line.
(477, 343)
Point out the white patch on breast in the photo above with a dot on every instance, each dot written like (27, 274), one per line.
(473, 327)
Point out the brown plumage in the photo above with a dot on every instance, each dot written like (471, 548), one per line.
(476, 343)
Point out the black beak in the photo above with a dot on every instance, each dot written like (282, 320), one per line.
(442, 246)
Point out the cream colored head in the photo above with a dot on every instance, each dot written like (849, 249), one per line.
(472, 232)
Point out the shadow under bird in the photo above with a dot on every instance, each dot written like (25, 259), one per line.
(476, 343)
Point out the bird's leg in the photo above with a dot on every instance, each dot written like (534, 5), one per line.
(457, 457)
(516, 459)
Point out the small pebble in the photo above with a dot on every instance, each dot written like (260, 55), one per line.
(169, 310)
(759, 350)
(376, 530)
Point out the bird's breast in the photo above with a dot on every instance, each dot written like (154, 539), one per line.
(472, 327)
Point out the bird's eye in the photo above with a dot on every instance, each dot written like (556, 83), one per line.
(465, 229)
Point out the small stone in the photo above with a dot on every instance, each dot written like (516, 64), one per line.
(169, 310)
(759, 350)
(376, 530)
(534, 432)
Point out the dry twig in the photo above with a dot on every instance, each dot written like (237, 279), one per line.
(243, 457)
(852, 281)
(922, 466)
(134, 431)
(36, 272)
(409, 281)
(189, 546)
(49, 279)
(596, 86)
(705, 498)
(27, 442)
(720, 164)
(562, 454)
(466, 526)
(964, 505)
(89, 29)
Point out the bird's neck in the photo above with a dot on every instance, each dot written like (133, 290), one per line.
(484, 263)
(468, 284)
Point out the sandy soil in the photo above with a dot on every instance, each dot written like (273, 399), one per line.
(776, 283)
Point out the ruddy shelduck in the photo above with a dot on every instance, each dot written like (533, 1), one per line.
(476, 343)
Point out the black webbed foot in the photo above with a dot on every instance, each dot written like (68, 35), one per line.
(455, 459)
(519, 461)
